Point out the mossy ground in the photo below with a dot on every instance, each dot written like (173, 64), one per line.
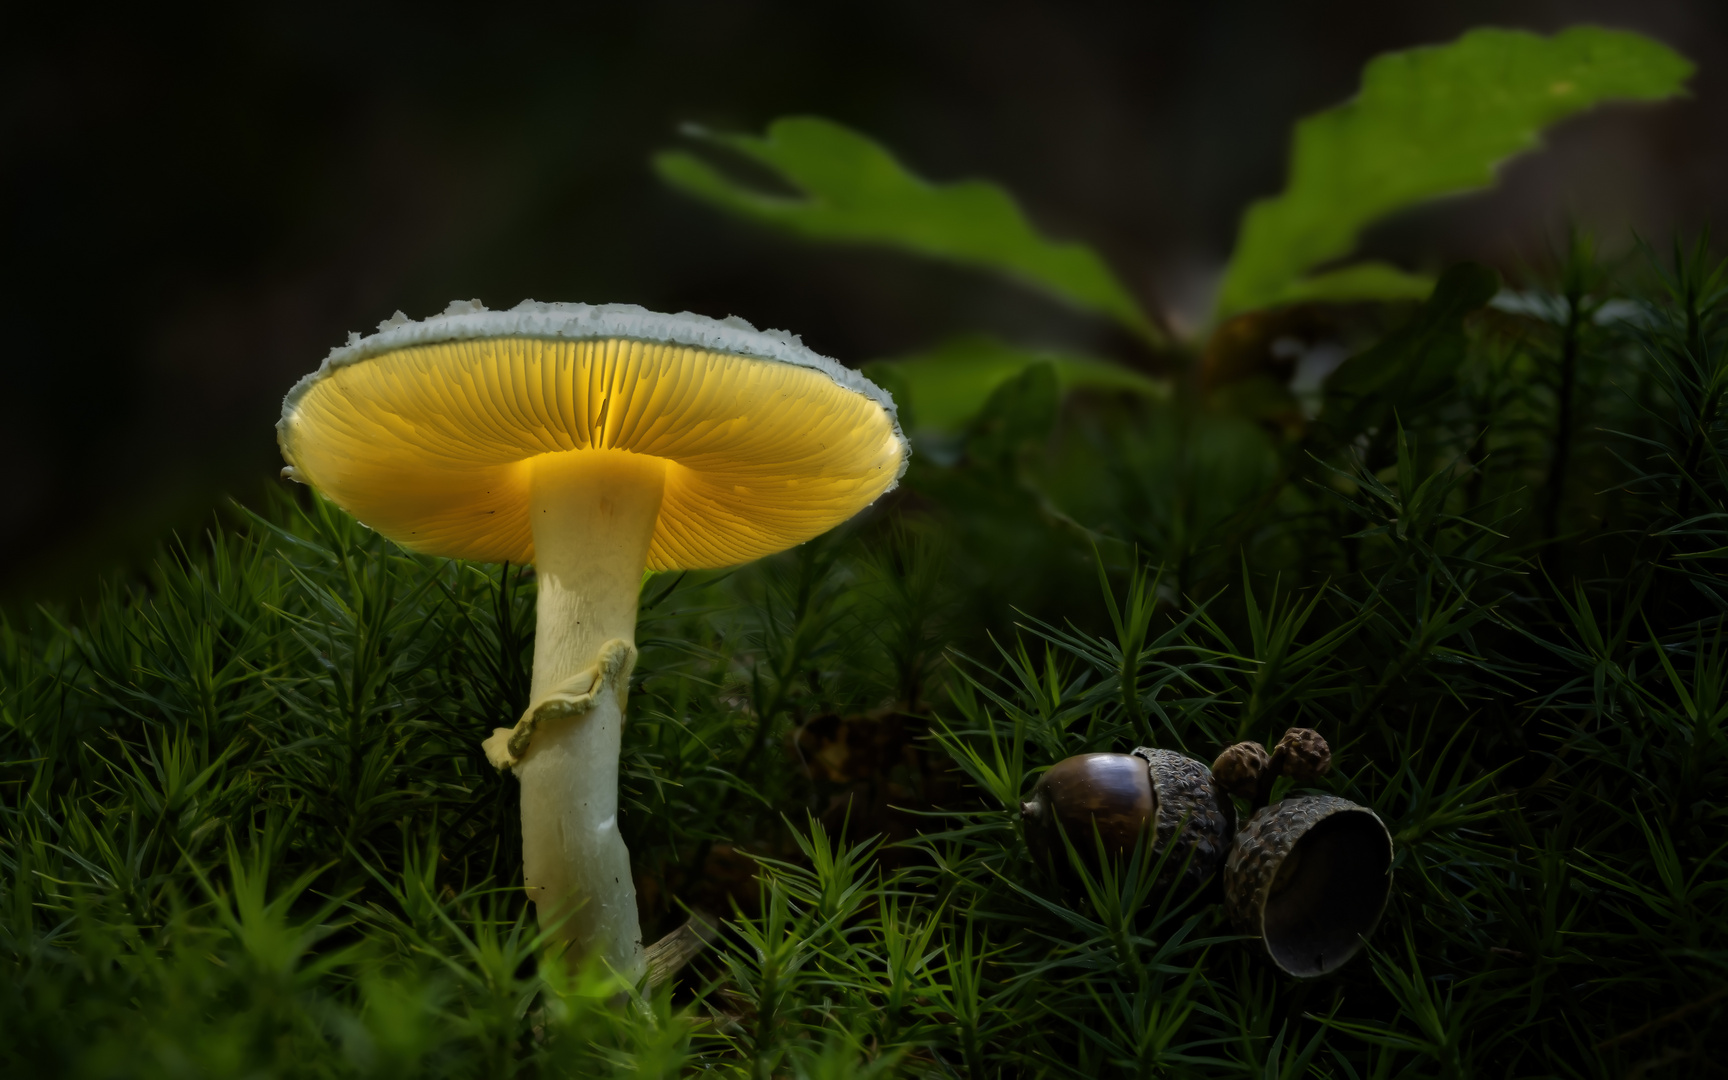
(246, 827)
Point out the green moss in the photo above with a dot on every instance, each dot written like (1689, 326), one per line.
(246, 826)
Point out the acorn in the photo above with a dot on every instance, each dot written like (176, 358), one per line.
(1301, 754)
(1120, 796)
(1310, 878)
(1239, 768)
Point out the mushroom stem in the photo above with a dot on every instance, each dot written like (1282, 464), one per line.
(593, 514)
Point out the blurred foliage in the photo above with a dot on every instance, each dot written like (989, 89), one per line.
(1427, 123)
(1406, 369)
(943, 389)
(851, 189)
(1479, 543)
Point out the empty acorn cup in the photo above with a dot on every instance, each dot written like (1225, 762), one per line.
(1119, 795)
(1309, 876)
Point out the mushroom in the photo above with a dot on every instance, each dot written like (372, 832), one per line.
(595, 442)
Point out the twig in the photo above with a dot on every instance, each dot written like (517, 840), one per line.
(666, 956)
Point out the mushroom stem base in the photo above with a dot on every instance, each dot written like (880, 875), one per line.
(575, 865)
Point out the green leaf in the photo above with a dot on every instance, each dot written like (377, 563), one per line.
(944, 388)
(1358, 281)
(852, 190)
(1428, 122)
(1412, 365)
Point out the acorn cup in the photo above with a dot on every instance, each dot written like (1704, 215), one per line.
(1120, 795)
(1310, 877)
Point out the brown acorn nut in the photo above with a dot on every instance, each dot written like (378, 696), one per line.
(1120, 795)
(1112, 792)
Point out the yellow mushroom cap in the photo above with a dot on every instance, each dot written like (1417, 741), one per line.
(427, 431)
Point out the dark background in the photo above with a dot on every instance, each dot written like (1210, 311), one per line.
(195, 209)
